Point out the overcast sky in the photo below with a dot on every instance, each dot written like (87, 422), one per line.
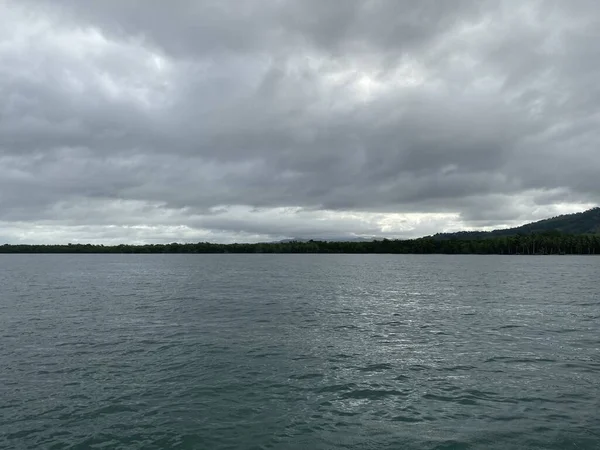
(253, 120)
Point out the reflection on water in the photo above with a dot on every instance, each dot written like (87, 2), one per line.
(299, 351)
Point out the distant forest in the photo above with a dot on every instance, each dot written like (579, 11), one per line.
(545, 243)
(568, 234)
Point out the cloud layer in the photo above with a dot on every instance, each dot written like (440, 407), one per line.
(143, 121)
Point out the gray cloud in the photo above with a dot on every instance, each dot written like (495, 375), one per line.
(483, 112)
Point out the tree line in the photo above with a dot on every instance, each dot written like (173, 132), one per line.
(546, 243)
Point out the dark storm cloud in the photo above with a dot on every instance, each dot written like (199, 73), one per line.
(485, 109)
(211, 27)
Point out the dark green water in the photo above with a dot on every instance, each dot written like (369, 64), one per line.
(299, 352)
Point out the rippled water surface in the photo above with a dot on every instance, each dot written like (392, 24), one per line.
(299, 352)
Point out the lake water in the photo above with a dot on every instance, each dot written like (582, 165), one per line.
(299, 352)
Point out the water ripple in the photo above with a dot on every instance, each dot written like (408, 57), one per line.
(299, 352)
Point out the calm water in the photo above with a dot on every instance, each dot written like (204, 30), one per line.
(299, 352)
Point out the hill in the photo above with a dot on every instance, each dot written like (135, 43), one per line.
(586, 222)
(329, 239)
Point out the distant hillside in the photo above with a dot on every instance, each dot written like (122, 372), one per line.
(587, 222)
(329, 239)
